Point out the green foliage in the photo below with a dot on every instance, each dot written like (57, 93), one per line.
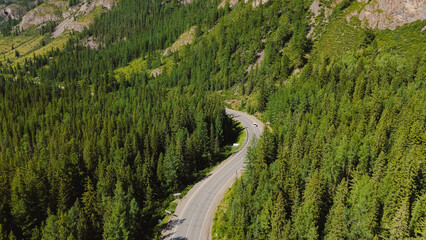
(7, 27)
(92, 147)
(73, 2)
(65, 151)
(349, 160)
(363, 210)
(336, 225)
(116, 218)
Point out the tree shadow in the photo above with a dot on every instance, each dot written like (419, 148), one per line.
(170, 225)
(207, 176)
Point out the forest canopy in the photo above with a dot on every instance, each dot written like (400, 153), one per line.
(87, 152)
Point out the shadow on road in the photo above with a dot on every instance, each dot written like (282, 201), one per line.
(175, 238)
(207, 176)
(170, 225)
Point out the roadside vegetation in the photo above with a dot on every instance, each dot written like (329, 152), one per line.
(93, 144)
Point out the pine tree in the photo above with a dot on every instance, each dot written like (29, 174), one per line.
(399, 224)
(280, 226)
(2, 236)
(306, 222)
(51, 230)
(116, 220)
(363, 209)
(134, 220)
(90, 209)
(418, 220)
(336, 224)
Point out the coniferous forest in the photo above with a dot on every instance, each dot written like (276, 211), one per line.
(345, 161)
(87, 153)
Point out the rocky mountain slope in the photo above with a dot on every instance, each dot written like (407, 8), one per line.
(56, 10)
(382, 14)
(346, 105)
(36, 27)
(39, 13)
(375, 14)
(12, 11)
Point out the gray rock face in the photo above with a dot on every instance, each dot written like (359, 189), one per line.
(109, 4)
(315, 7)
(39, 16)
(50, 10)
(13, 11)
(58, 10)
(69, 22)
(383, 14)
(380, 14)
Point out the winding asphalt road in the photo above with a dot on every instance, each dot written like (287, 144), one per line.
(194, 214)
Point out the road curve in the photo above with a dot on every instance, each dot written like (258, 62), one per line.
(194, 214)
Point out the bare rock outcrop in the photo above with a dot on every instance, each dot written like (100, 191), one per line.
(69, 24)
(383, 14)
(58, 10)
(109, 4)
(92, 43)
(379, 14)
(184, 2)
(256, 3)
(156, 72)
(13, 11)
(48, 11)
(186, 38)
(231, 3)
(315, 7)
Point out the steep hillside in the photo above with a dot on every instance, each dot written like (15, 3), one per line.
(114, 150)
(61, 11)
(46, 27)
(376, 14)
(345, 157)
(112, 121)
